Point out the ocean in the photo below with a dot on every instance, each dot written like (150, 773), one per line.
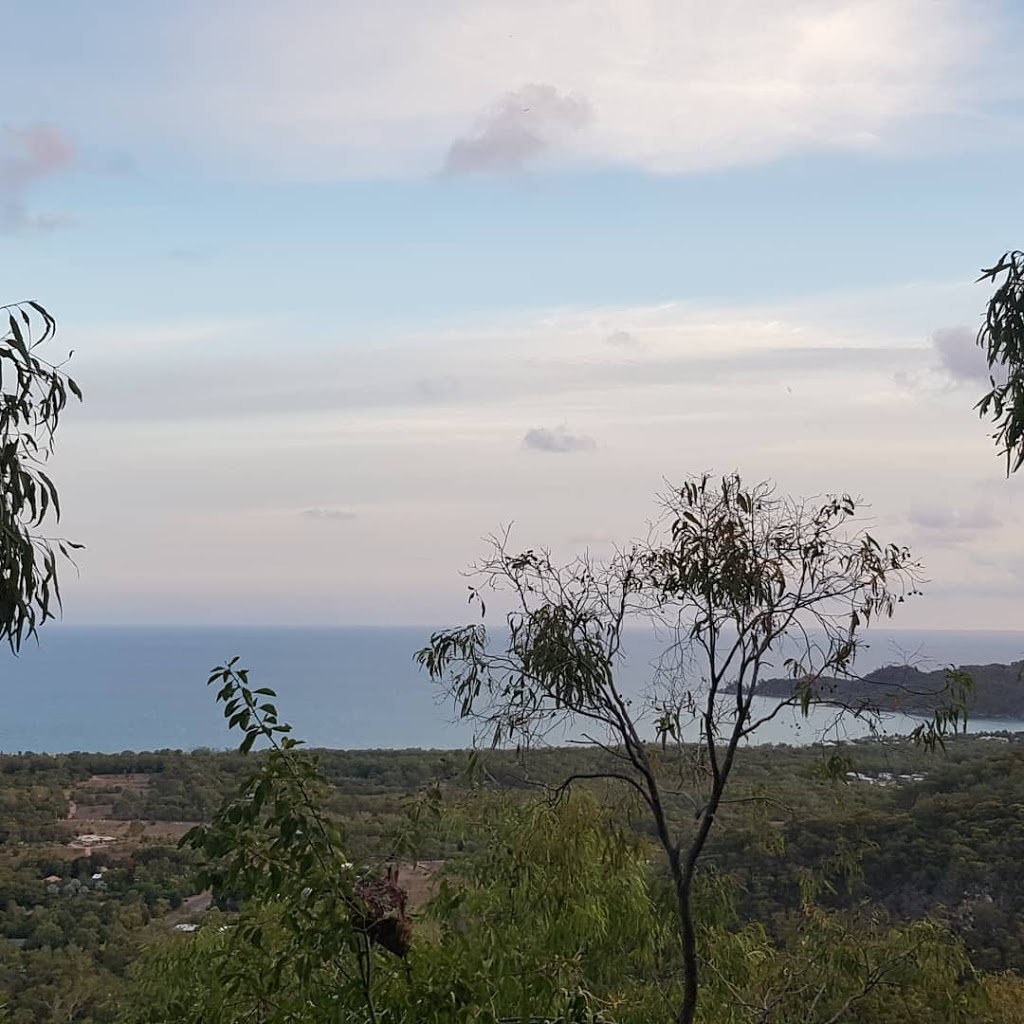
(108, 689)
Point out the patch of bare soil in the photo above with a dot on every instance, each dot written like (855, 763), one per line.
(419, 880)
(131, 832)
(191, 907)
(117, 783)
(90, 824)
(97, 795)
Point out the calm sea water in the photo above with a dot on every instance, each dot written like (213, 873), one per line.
(113, 689)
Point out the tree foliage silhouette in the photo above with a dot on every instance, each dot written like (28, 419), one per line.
(33, 394)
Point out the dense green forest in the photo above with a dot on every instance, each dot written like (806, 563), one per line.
(905, 850)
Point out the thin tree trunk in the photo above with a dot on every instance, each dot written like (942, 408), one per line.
(683, 875)
(690, 966)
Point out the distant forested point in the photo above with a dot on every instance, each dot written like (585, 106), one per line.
(998, 689)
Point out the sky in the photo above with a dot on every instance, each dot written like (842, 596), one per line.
(350, 286)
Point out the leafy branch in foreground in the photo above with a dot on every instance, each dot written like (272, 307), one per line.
(272, 846)
(1002, 338)
(735, 581)
(33, 394)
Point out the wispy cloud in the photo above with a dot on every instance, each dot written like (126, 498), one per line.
(708, 389)
(518, 130)
(675, 86)
(29, 155)
(187, 255)
(948, 518)
(524, 368)
(601, 538)
(439, 388)
(558, 440)
(622, 339)
(328, 514)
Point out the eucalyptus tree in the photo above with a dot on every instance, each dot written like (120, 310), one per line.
(33, 394)
(738, 582)
(1002, 338)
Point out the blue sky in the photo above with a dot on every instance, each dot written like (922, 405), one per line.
(348, 288)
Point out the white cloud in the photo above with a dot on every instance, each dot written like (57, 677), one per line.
(341, 90)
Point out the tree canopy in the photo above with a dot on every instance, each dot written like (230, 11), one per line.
(1002, 338)
(33, 394)
(737, 581)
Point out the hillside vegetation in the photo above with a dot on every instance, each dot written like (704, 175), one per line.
(922, 876)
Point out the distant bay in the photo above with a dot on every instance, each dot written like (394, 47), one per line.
(143, 688)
